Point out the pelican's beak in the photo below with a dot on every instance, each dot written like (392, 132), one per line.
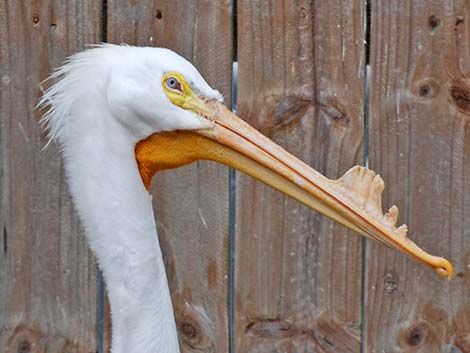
(354, 200)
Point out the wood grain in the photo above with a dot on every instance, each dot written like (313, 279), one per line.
(298, 277)
(191, 203)
(420, 143)
(47, 274)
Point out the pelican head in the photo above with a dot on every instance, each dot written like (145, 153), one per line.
(120, 114)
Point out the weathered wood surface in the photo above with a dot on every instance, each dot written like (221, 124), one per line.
(420, 143)
(191, 204)
(298, 276)
(47, 274)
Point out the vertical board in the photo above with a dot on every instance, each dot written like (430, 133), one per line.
(47, 274)
(191, 203)
(420, 143)
(298, 276)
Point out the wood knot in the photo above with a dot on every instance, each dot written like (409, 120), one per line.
(460, 96)
(23, 339)
(335, 112)
(24, 347)
(271, 328)
(416, 334)
(290, 108)
(35, 18)
(188, 330)
(158, 14)
(303, 13)
(426, 89)
(390, 283)
(283, 113)
(434, 23)
(334, 336)
(194, 327)
(191, 333)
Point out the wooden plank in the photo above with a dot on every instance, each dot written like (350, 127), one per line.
(420, 143)
(47, 273)
(298, 276)
(191, 204)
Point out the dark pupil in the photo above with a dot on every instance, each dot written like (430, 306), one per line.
(172, 83)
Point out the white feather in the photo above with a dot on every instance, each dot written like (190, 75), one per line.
(104, 68)
(105, 100)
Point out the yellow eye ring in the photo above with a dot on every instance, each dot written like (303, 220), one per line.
(180, 93)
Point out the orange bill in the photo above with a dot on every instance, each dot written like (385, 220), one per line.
(354, 200)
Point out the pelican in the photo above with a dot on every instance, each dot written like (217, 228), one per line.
(119, 115)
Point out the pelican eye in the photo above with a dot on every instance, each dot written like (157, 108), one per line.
(173, 84)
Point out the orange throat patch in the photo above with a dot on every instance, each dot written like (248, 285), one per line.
(168, 150)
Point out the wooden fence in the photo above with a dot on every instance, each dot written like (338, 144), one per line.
(300, 283)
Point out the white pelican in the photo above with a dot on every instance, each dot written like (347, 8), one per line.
(122, 113)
